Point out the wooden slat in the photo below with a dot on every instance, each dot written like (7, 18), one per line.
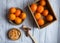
(2, 20)
(52, 30)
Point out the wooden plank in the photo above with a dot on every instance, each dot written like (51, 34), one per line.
(21, 4)
(13, 3)
(58, 37)
(2, 20)
(52, 30)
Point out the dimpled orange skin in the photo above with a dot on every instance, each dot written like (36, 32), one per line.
(18, 12)
(12, 10)
(12, 17)
(33, 7)
(41, 22)
(45, 13)
(42, 2)
(49, 18)
(18, 20)
(23, 15)
(37, 16)
(40, 9)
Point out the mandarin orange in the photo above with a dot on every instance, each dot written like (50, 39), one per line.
(18, 12)
(33, 7)
(12, 17)
(40, 9)
(12, 10)
(45, 13)
(41, 22)
(37, 16)
(42, 2)
(49, 17)
(23, 15)
(18, 20)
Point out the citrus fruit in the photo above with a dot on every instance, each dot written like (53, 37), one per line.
(33, 7)
(12, 10)
(42, 2)
(40, 9)
(18, 12)
(41, 22)
(23, 15)
(18, 20)
(37, 16)
(45, 13)
(49, 17)
(12, 17)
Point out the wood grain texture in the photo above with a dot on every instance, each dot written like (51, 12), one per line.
(52, 30)
(45, 35)
(58, 41)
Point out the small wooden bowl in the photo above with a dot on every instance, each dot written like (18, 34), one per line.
(12, 22)
(15, 30)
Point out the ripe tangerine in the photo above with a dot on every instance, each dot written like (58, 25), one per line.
(49, 17)
(33, 7)
(12, 10)
(45, 13)
(18, 12)
(12, 17)
(23, 15)
(41, 22)
(18, 20)
(42, 2)
(37, 16)
(40, 9)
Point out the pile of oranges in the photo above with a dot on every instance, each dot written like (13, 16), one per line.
(41, 13)
(16, 15)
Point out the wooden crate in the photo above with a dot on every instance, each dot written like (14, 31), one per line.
(48, 6)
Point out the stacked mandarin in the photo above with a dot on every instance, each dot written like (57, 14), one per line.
(16, 15)
(41, 13)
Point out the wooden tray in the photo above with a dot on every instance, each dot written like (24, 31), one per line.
(48, 6)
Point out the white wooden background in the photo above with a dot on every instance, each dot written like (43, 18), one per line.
(48, 34)
(59, 24)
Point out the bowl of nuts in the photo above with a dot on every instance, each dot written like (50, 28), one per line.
(14, 34)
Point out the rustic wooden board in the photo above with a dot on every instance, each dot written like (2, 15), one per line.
(45, 35)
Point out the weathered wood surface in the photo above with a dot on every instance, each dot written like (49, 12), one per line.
(45, 35)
